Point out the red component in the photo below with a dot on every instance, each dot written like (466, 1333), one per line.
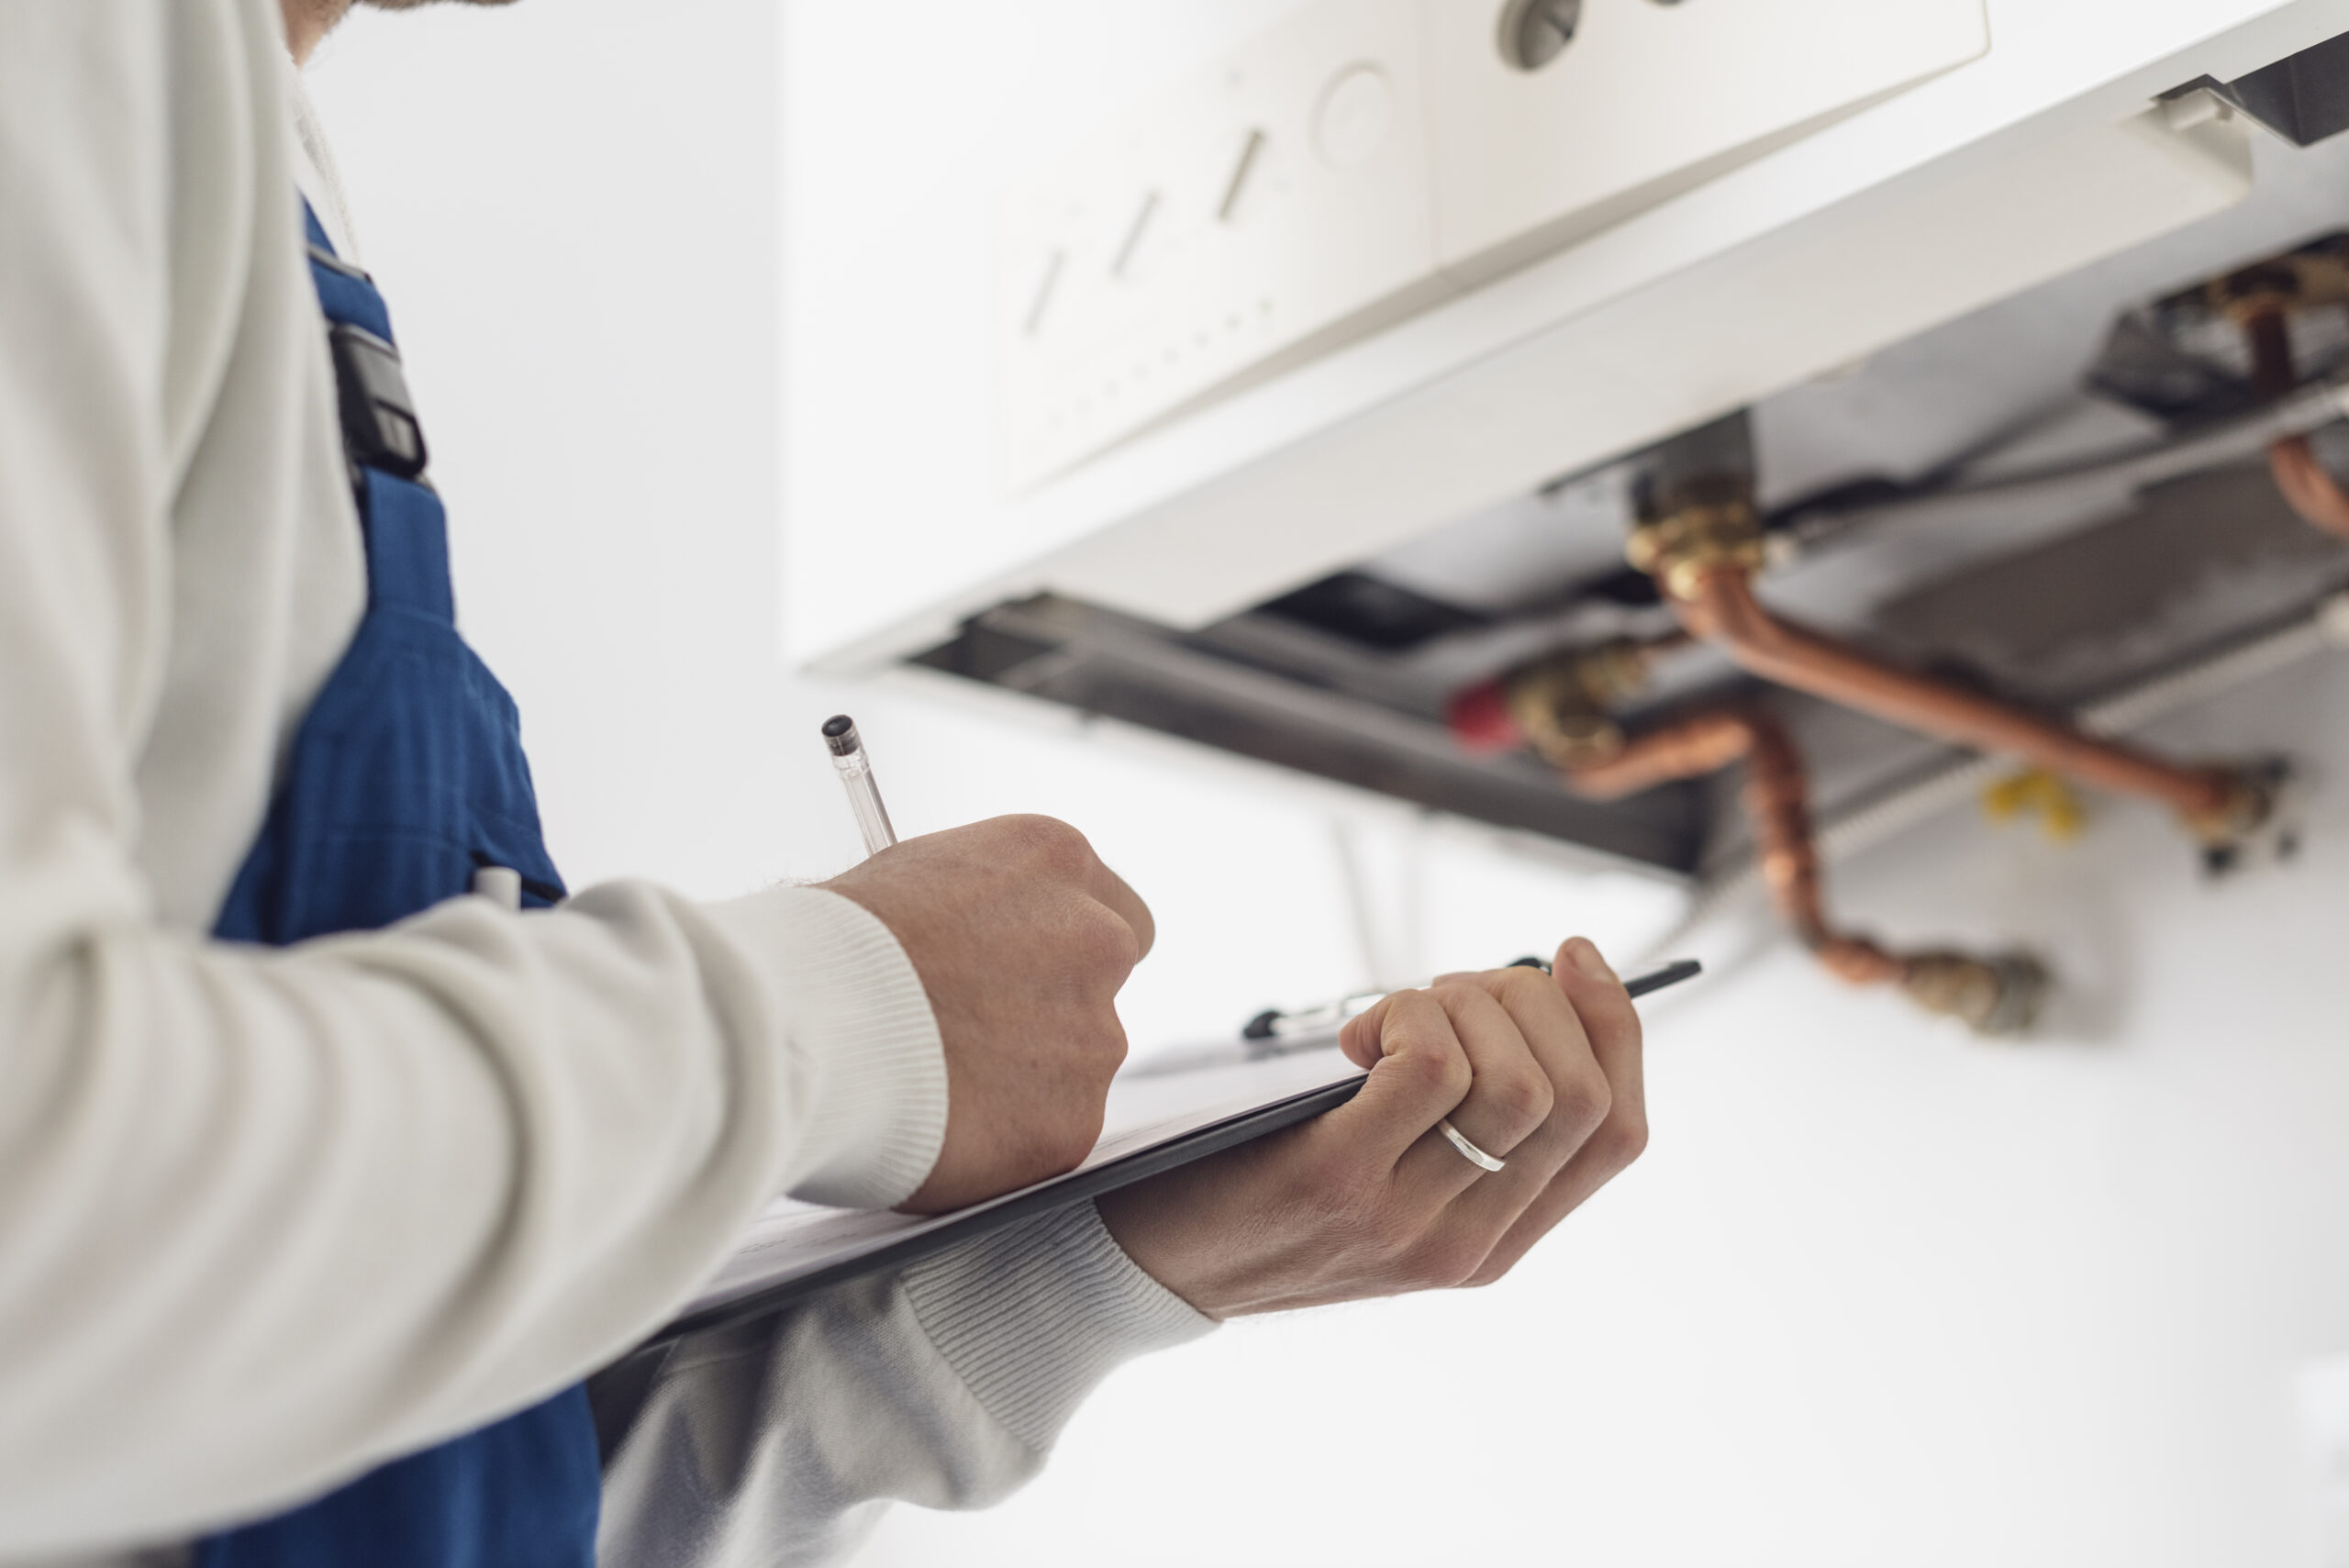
(1479, 719)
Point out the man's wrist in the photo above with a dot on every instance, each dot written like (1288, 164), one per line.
(1143, 1221)
(861, 1040)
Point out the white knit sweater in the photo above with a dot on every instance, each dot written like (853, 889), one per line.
(269, 1217)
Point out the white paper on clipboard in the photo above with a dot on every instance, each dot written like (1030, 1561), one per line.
(1163, 1110)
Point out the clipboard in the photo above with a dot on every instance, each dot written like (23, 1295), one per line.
(1157, 1121)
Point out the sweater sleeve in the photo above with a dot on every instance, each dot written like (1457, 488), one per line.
(775, 1443)
(269, 1218)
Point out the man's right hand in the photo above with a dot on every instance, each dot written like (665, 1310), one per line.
(1022, 939)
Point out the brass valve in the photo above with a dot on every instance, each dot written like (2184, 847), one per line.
(2243, 809)
(2313, 274)
(1996, 995)
(1702, 526)
(1561, 703)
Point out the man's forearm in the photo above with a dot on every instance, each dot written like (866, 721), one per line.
(945, 1387)
(462, 1162)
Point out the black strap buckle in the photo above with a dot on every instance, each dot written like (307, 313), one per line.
(379, 424)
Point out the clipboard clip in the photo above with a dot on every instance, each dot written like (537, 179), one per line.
(1272, 1026)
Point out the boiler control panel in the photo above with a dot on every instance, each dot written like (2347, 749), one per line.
(1361, 159)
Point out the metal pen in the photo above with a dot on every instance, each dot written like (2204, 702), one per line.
(854, 766)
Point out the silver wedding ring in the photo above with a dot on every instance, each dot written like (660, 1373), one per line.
(1469, 1152)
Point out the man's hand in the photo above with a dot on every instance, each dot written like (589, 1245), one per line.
(1022, 938)
(1369, 1199)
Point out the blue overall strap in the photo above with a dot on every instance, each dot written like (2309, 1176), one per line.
(406, 776)
(408, 773)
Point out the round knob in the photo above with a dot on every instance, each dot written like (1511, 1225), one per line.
(1355, 114)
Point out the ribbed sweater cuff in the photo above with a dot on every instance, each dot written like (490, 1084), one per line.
(1034, 1315)
(860, 1029)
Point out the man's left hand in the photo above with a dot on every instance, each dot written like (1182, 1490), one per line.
(1369, 1199)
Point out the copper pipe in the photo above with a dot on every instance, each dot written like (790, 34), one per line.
(2307, 487)
(1776, 799)
(1690, 749)
(1994, 995)
(2270, 338)
(1721, 608)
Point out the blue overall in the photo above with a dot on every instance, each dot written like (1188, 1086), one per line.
(405, 777)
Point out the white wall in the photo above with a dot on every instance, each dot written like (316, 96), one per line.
(572, 207)
(1878, 1295)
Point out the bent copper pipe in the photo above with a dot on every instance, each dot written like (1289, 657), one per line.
(2308, 487)
(1721, 608)
(1694, 746)
(1996, 995)
(2305, 485)
(1776, 799)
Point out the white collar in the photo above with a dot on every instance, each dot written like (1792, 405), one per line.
(313, 170)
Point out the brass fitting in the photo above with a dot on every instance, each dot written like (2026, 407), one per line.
(1561, 703)
(1996, 995)
(2255, 291)
(1617, 670)
(2247, 801)
(1703, 524)
(1565, 728)
(2313, 274)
